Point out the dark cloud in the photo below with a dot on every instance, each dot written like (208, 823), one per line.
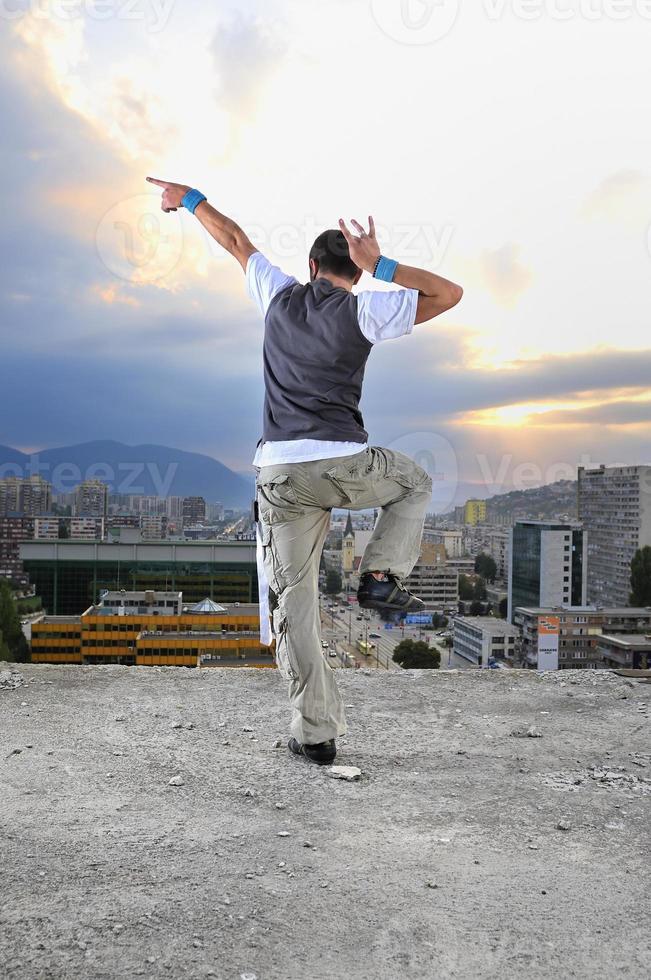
(76, 368)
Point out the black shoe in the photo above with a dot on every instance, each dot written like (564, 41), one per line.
(323, 754)
(387, 597)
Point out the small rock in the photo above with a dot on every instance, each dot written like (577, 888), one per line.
(176, 726)
(249, 792)
(283, 833)
(11, 679)
(563, 825)
(531, 732)
(119, 718)
(349, 773)
(308, 843)
(430, 884)
(280, 806)
(176, 781)
(247, 730)
(278, 744)
(190, 726)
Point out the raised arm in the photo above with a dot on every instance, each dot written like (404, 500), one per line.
(436, 294)
(224, 230)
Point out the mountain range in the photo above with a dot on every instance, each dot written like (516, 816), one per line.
(159, 471)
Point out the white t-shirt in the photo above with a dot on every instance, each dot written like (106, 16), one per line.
(382, 316)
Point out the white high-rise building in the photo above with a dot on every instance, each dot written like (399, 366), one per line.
(615, 510)
(547, 562)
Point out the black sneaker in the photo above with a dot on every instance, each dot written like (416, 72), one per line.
(323, 753)
(387, 597)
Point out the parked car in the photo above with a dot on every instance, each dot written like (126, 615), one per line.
(375, 636)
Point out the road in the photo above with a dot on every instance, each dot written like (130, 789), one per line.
(339, 625)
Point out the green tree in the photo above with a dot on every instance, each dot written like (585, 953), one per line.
(416, 655)
(466, 588)
(476, 608)
(333, 582)
(504, 608)
(13, 638)
(641, 577)
(486, 567)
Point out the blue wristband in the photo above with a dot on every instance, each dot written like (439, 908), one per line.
(192, 199)
(385, 269)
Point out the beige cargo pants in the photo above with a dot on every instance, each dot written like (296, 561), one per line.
(294, 504)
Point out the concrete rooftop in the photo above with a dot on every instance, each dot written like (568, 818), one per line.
(465, 851)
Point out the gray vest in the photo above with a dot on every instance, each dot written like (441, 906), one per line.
(314, 360)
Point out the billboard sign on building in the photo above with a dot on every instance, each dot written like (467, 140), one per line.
(549, 628)
(418, 619)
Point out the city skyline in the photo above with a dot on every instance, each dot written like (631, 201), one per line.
(546, 361)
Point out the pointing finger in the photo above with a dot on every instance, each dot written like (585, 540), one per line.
(371, 226)
(160, 183)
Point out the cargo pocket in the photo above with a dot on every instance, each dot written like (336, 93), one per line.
(278, 501)
(284, 660)
(352, 477)
(404, 471)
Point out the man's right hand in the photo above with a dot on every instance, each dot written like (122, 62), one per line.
(173, 194)
(364, 250)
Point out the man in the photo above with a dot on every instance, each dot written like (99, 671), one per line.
(314, 455)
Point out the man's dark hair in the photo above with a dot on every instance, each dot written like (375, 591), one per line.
(331, 253)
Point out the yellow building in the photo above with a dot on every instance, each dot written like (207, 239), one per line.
(153, 630)
(474, 512)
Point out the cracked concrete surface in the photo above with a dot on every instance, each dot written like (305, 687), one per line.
(462, 851)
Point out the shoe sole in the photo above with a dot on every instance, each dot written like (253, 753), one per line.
(418, 606)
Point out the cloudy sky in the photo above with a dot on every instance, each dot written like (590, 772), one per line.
(504, 143)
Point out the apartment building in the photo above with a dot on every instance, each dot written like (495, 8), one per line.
(28, 497)
(614, 506)
(480, 639)
(580, 632)
(91, 499)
